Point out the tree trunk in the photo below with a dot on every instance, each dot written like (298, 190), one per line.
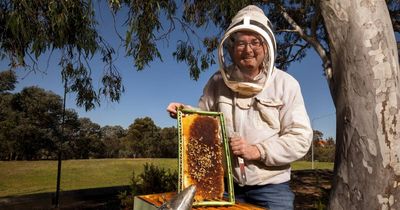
(365, 90)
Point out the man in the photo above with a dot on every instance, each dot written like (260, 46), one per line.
(263, 108)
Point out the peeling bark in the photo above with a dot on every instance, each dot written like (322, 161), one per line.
(365, 91)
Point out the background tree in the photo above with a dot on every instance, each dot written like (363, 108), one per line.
(317, 135)
(142, 139)
(7, 115)
(30, 124)
(31, 128)
(8, 121)
(8, 79)
(324, 149)
(34, 114)
(92, 132)
(330, 141)
(111, 136)
(168, 143)
(70, 134)
(88, 142)
(324, 153)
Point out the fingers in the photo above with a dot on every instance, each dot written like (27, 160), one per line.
(244, 150)
(234, 138)
(234, 141)
(173, 107)
(238, 146)
(241, 148)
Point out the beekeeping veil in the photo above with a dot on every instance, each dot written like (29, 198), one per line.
(250, 18)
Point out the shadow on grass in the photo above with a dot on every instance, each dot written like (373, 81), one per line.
(310, 186)
(97, 198)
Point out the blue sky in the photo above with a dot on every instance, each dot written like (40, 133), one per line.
(148, 92)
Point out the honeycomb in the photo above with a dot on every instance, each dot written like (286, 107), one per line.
(203, 155)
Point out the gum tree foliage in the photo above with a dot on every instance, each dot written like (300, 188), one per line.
(28, 29)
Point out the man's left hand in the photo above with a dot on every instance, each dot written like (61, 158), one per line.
(241, 148)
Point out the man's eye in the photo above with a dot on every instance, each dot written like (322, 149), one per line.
(255, 43)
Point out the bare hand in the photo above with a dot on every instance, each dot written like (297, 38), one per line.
(173, 108)
(241, 148)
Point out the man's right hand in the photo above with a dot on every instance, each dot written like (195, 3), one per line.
(173, 108)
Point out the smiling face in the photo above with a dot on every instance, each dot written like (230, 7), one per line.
(248, 52)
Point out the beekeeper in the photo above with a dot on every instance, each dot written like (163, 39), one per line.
(263, 108)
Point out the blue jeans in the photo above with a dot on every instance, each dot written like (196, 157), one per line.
(271, 196)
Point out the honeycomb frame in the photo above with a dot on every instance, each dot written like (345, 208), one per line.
(202, 156)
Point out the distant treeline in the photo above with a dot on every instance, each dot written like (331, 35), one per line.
(31, 128)
(323, 150)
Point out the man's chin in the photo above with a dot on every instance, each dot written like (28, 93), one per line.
(248, 67)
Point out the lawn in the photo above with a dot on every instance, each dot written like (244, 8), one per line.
(29, 177)
(305, 165)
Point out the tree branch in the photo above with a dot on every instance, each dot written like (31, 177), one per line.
(314, 21)
(310, 39)
(286, 30)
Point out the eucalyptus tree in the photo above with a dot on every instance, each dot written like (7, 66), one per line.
(364, 81)
(87, 143)
(168, 143)
(8, 80)
(7, 123)
(142, 139)
(112, 137)
(33, 123)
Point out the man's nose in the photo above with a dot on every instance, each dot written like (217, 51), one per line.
(247, 47)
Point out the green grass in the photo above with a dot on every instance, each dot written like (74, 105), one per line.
(29, 177)
(302, 165)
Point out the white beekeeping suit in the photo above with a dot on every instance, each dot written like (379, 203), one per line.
(267, 110)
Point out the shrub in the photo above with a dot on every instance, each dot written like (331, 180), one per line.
(152, 180)
(322, 154)
(325, 154)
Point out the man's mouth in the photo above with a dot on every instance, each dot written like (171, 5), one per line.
(248, 58)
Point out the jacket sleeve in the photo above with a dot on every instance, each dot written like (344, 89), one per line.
(295, 135)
